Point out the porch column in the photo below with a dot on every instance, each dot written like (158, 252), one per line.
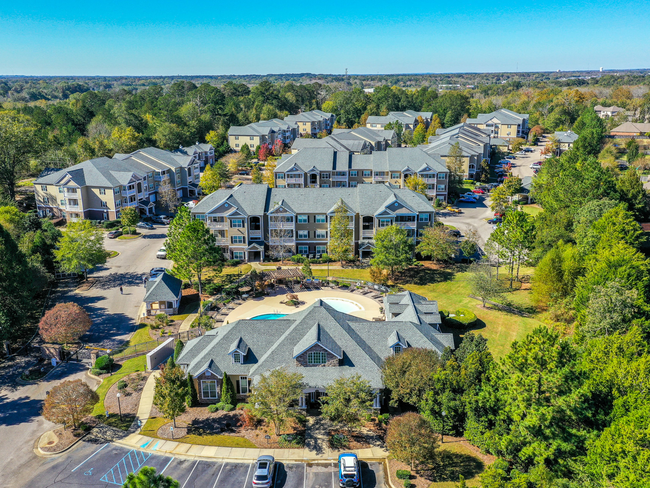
(302, 403)
(377, 401)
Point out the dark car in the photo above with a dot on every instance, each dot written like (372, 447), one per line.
(453, 232)
(349, 473)
(114, 233)
(161, 219)
(144, 225)
(495, 220)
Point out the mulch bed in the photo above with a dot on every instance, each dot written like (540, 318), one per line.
(181, 430)
(169, 330)
(370, 435)
(129, 396)
(67, 437)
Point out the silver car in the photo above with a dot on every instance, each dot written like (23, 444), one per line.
(264, 471)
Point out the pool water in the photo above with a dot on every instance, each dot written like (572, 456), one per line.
(269, 316)
(342, 305)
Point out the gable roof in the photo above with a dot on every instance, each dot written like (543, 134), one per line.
(567, 137)
(503, 116)
(317, 335)
(164, 287)
(633, 127)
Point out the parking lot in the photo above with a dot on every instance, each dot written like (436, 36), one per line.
(108, 465)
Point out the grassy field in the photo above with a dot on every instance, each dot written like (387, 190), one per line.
(531, 209)
(152, 425)
(141, 335)
(227, 270)
(128, 367)
(451, 288)
(460, 459)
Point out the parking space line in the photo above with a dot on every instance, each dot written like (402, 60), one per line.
(217, 480)
(90, 457)
(188, 478)
(304, 478)
(333, 480)
(247, 475)
(170, 461)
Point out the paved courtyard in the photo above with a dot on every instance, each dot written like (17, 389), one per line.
(368, 308)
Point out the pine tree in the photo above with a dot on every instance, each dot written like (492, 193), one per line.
(192, 399)
(228, 394)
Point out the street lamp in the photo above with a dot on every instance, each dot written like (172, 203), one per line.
(119, 406)
(442, 429)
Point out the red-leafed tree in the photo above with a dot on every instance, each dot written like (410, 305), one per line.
(264, 152)
(64, 323)
(278, 148)
(69, 402)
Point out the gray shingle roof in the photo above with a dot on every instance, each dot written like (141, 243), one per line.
(504, 116)
(163, 288)
(567, 137)
(317, 335)
(99, 172)
(362, 344)
(413, 307)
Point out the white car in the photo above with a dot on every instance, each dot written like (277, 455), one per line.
(162, 253)
(521, 153)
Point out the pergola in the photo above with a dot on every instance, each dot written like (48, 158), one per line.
(283, 274)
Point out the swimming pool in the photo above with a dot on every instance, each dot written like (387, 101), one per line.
(268, 316)
(342, 305)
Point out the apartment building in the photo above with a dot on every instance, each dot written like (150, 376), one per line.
(250, 221)
(262, 132)
(328, 168)
(379, 139)
(204, 153)
(312, 122)
(475, 145)
(502, 123)
(607, 112)
(565, 140)
(99, 188)
(408, 119)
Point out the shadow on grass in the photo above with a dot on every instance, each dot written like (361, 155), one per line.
(448, 466)
(422, 276)
(459, 333)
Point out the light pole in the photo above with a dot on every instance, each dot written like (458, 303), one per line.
(119, 406)
(442, 428)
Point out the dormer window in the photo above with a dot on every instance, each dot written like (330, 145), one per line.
(236, 358)
(397, 348)
(317, 357)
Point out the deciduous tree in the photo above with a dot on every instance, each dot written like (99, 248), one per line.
(81, 248)
(256, 175)
(273, 396)
(170, 392)
(18, 143)
(64, 323)
(341, 244)
(348, 400)
(69, 402)
(456, 167)
(393, 249)
(268, 176)
(437, 243)
(482, 282)
(417, 184)
(408, 375)
(611, 308)
(129, 217)
(411, 440)
(168, 195)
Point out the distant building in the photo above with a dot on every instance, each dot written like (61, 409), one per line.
(607, 112)
(474, 143)
(565, 140)
(408, 119)
(631, 129)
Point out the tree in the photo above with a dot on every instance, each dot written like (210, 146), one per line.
(393, 250)
(417, 184)
(470, 245)
(282, 243)
(148, 478)
(485, 170)
(556, 274)
(192, 399)
(64, 323)
(256, 175)
(456, 166)
(411, 440)
(18, 144)
(264, 152)
(482, 283)
(245, 152)
(348, 401)
(408, 375)
(170, 392)
(614, 226)
(69, 402)
(630, 188)
(268, 176)
(517, 143)
(515, 237)
(168, 196)
(178, 349)
(228, 394)
(341, 244)
(632, 150)
(129, 217)
(80, 248)
(419, 135)
(437, 243)
(125, 140)
(273, 396)
(193, 250)
(211, 180)
(611, 309)
(500, 200)
(306, 269)
(434, 126)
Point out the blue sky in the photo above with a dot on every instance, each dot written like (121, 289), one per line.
(136, 37)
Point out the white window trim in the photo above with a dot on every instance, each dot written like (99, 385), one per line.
(313, 355)
(216, 390)
(241, 385)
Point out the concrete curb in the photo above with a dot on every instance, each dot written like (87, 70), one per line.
(44, 454)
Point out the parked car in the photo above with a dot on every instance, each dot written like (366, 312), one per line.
(156, 271)
(349, 472)
(162, 253)
(535, 166)
(511, 157)
(504, 161)
(144, 225)
(528, 150)
(114, 233)
(521, 153)
(161, 219)
(264, 471)
(454, 209)
(467, 200)
(478, 191)
(191, 203)
(499, 214)
(453, 232)
(495, 220)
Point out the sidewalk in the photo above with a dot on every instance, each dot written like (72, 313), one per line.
(187, 323)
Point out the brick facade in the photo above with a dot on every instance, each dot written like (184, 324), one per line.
(199, 389)
(332, 360)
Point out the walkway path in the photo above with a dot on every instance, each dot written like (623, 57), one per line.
(187, 323)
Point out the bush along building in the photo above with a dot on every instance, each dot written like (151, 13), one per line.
(252, 221)
(98, 189)
(318, 342)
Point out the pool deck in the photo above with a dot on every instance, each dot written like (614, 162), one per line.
(260, 306)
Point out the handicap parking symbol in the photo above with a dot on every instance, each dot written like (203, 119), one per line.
(89, 472)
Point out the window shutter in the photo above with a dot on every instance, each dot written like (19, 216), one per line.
(238, 389)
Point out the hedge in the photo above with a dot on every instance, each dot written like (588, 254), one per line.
(462, 319)
(104, 363)
(403, 474)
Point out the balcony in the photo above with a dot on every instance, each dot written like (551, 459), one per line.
(70, 194)
(217, 225)
(295, 180)
(431, 192)
(429, 180)
(289, 241)
(407, 225)
(380, 178)
(368, 233)
(255, 234)
(158, 178)
(72, 207)
(281, 225)
(340, 178)
(221, 241)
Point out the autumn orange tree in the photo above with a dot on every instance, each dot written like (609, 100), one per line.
(64, 323)
(410, 439)
(69, 402)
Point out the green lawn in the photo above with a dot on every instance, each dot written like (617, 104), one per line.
(531, 209)
(128, 367)
(152, 425)
(458, 459)
(129, 236)
(451, 289)
(141, 335)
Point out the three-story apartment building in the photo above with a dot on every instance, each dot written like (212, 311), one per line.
(312, 122)
(204, 153)
(502, 123)
(99, 188)
(328, 168)
(474, 143)
(408, 119)
(250, 221)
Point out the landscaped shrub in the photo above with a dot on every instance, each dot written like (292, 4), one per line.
(462, 319)
(96, 372)
(111, 224)
(233, 262)
(291, 440)
(325, 258)
(213, 408)
(192, 397)
(339, 441)
(298, 258)
(301, 419)
(344, 285)
(228, 408)
(368, 417)
(105, 363)
(408, 484)
(212, 288)
(178, 349)
(249, 419)
(121, 385)
(403, 474)
(162, 320)
(383, 418)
